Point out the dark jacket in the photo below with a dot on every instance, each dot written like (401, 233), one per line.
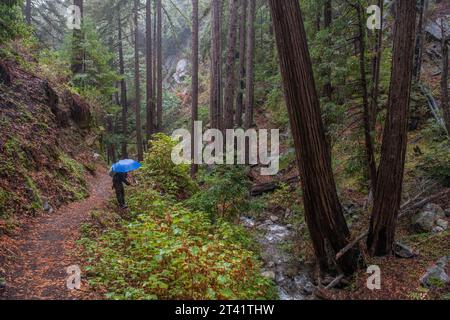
(119, 179)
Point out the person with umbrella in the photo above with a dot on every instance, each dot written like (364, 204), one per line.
(119, 173)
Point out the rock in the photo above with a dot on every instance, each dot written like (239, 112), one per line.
(437, 230)
(247, 222)
(434, 29)
(304, 285)
(425, 221)
(308, 289)
(274, 218)
(442, 223)
(47, 207)
(436, 275)
(447, 213)
(437, 210)
(403, 251)
(288, 214)
(291, 271)
(181, 72)
(269, 275)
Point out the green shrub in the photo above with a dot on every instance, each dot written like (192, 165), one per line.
(170, 252)
(225, 193)
(159, 171)
(11, 21)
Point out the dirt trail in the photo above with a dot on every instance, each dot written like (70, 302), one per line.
(46, 248)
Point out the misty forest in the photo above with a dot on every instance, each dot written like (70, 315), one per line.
(356, 204)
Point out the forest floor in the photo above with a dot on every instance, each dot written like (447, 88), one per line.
(47, 247)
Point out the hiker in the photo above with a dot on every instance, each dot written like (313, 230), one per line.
(118, 180)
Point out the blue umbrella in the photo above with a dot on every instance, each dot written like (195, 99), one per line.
(124, 166)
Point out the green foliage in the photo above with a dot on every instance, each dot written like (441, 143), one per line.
(11, 21)
(168, 251)
(34, 195)
(72, 179)
(275, 104)
(159, 171)
(435, 162)
(4, 197)
(225, 193)
(97, 82)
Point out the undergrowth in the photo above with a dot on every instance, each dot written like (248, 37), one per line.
(168, 250)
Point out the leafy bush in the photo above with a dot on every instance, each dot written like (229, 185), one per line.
(11, 21)
(159, 171)
(170, 252)
(225, 193)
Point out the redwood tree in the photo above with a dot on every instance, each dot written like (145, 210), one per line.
(444, 77)
(123, 86)
(390, 176)
(159, 85)
(242, 61)
(323, 210)
(137, 82)
(195, 58)
(368, 138)
(28, 12)
(216, 66)
(250, 86)
(230, 77)
(77, 47)
(376, 67)
(328, 19)
(419, 40)
(149, 128)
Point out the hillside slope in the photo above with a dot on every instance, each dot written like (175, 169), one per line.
(44, 135)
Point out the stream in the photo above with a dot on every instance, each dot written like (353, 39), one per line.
(292, 281)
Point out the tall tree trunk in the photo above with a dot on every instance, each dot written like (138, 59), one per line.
(149, 128)
(368, 138)
(390, 176)
(123, 87)
(376, 67)
(323, 210)
(230, 78)
(28, 12)
(250, 86)
(242, 62)
(328, 19)
(216, 66)
(77, 48)
(195, 62)
(159, 62)
(155, 45)
(419, 41)
(111, 148)
(137, 82)
(444, 78)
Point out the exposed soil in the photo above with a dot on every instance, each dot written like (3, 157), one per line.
(46, 247)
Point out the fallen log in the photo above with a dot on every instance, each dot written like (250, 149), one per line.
(261, 189)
